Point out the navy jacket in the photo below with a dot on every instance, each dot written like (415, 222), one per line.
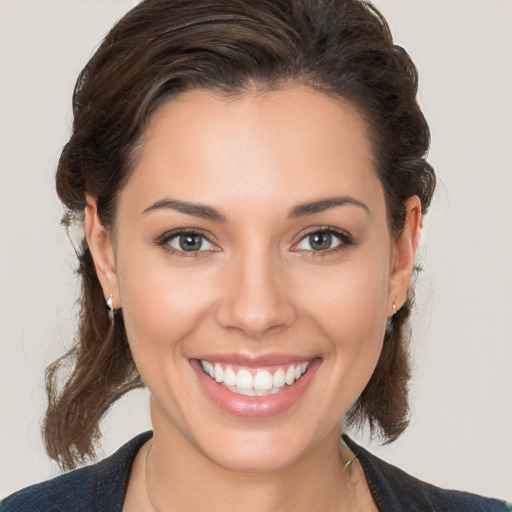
(101, 487)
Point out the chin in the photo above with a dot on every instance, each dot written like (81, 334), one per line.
(257, 453)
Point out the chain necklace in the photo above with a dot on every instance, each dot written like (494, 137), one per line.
(347, 468)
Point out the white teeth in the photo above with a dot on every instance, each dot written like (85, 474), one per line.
(244, 379)
(219, 373)
(246, 392)
(208, 368)
(261, 383)
(290, 375)
(229, 377)
(279, 379)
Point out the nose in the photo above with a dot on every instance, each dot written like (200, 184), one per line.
(256, 298)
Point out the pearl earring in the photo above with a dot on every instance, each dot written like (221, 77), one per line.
(110, 305)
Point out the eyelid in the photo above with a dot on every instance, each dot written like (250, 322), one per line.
(163, 241)
(345, 238)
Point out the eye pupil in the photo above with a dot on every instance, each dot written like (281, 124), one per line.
(190, 242)
(320, 241)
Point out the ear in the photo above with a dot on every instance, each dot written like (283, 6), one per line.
(100, 244)
(404, 252)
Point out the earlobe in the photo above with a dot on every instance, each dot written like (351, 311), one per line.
(100, 244)
(404, 252)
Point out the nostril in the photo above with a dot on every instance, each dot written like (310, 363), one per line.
(255, 300)
(254, 319)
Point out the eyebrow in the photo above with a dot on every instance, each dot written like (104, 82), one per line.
(325, 204)
(207, 212)
(196, 210)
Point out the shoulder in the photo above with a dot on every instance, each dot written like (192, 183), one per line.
(394, 490)
(100, 486)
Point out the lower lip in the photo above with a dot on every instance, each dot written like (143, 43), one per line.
(254, 407)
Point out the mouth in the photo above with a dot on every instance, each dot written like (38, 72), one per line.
(254, 382)
(254, 388)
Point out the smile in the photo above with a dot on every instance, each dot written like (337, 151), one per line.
(254, 382)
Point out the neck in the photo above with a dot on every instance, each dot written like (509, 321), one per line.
(179, 477)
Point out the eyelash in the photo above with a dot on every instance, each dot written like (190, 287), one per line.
(345, 241)
(164, 240)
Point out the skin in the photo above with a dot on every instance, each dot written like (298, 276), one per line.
(256, 287)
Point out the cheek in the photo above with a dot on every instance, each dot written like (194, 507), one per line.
(349, 301)
(350, 309)
(161, 306)
(354, 321)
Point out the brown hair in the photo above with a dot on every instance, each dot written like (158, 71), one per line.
(162, 48)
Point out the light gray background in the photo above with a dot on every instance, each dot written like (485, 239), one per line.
(461, 427)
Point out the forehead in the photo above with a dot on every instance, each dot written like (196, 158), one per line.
(281, 145)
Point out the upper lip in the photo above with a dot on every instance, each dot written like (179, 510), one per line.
(254, 361)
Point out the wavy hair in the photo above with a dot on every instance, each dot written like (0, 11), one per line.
(162, 48)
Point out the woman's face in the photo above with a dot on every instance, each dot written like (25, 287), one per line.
(255, 269)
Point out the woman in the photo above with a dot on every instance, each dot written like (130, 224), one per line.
(252, 180)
